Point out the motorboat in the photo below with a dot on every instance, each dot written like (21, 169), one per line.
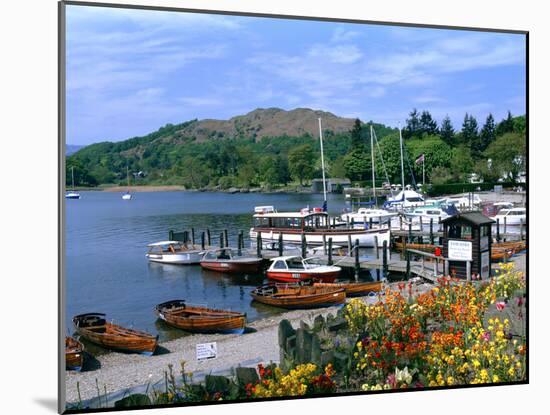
(295, 269)
(514, 216)
(364, 217)
(174, 252)
(311, 224)
(230, 261)
(404, 199)
(427, 213)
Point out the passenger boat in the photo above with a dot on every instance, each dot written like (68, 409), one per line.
(354, 289)
(366, 216)
(174, 252)
(94, 327)
(199, 319)
(313, 224)
(74, 354)
(295, 269)
(514, 216)
(298, 296)
(229, 260)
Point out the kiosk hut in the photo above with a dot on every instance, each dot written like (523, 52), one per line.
(467, 245)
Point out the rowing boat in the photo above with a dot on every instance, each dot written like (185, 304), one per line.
(298, 296)
(199, 319)
(74, 356)
(353, 289)
(94, 327)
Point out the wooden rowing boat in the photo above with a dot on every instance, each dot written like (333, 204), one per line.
(398, 246)
(354, 289)
(94, 327)
(298, 296)
(517, 246)
(74, 354)
(501, 254)
(178, 314)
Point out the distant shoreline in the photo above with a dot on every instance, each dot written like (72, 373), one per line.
(177, 188)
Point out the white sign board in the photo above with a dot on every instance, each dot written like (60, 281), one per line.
(207, 351)
(460, 250)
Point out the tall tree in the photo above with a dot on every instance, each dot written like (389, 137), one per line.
(506, 125)
(447, 131)
(357, 134)
(427, 124)
(413, 125)
(469, 131)
(301, 162)
(488, 133)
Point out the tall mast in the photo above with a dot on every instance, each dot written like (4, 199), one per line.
(372, 161)
(402, 169)
(128, 177)
(323, 164)
(72, 175)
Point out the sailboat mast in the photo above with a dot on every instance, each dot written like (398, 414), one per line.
(323, 163)
(402, 169)
(128, 177)
(372, 161)
(72, 176)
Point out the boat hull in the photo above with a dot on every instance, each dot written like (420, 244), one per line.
(233, 267)
(74, 354)
(354, 289)
(300, 275)
(184, 258)
(300, 297)
(366, 238)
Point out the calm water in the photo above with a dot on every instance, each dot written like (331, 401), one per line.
(106, 244)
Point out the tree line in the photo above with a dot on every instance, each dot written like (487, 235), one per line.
(165, 157)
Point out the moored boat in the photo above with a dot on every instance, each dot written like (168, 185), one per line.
(228, 260)
(295, 269)
(364, 217)
(174, 252)
(72, 194)
(94, 327)
(298, 296)
(313, 225)
(200, 319)
(74, 354)
(354, 289)
(514, 216)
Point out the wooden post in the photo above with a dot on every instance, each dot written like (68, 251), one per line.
(208, 239)
(241, 239)
(400, 222)
(421, 225)
(221, 240)
(280, 244)
(431, 231)
(185, 237)
(334, 221)
(446, 267)
(469, 270)
(193, 236)
(347, 221)
(408, 270)
(370, 222)
(225, 238)
(329, 251)
(521, 224)
(259, 245)
(357, 265)
(239, 249)
(202, 240)
(352, 223)
(410, 237)
(304, 245)
(376, 247)
(498, 230)
(349, 245)
(385, 259)
(170, 235)
(504, 226)
(324, 244)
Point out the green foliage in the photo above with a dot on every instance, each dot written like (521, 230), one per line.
(469, 133)
(357, 164)
(453, 188)
(440, 175)
(487, 134)
(508, 155)
(436, 152)
(462, 163)
(447, 131)
(301, 161)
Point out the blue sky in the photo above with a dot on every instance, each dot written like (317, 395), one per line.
(130, 72)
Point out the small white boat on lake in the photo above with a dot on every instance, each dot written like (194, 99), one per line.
(514, 216)
(127, 195)
(173, 252)
(72, 194)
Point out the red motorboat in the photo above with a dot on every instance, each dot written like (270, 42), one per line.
(295, 269)
(228, 260)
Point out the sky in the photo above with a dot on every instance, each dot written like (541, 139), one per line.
(129, 72)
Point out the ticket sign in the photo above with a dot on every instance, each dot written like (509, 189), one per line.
(460, 250)
(207, 351)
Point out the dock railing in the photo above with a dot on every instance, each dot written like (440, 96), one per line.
(435, 265)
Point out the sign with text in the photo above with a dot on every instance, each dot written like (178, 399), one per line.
(207, 351)
(460, 250)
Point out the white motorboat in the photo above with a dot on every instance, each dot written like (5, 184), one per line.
(174, 252)
(514, 216)
(295, 268)
(72, 194)
(425, 213)
(466, 201)
(405, 199)
(127, 196)
(364, 216)
(313, 224)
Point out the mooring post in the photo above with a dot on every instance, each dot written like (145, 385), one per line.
(329, 251)
(221, 240)
(377, 274)
(410, 237)
(376, 249)
(208, 239)
(421, 225)
(280, 244)
(347, 221)
(431, 231)
(408, 271)
(170, 235)
(357, 265)
(259, 245)
(334, 221)
(193, 237)
(352, 223)
(202, 240)
(505, 227)
(349, 245)
(446, 267)
(324, 244)
(469, 270)
(400, 222)
(385, 259)
(370, 222)
(521, 229)
(239, 249)
(498, 230)
(225, 238)
(241, 234)
(304, 245)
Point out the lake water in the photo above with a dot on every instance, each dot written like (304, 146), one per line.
(106, 267)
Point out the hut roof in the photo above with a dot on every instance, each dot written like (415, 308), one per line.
(475, 218)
